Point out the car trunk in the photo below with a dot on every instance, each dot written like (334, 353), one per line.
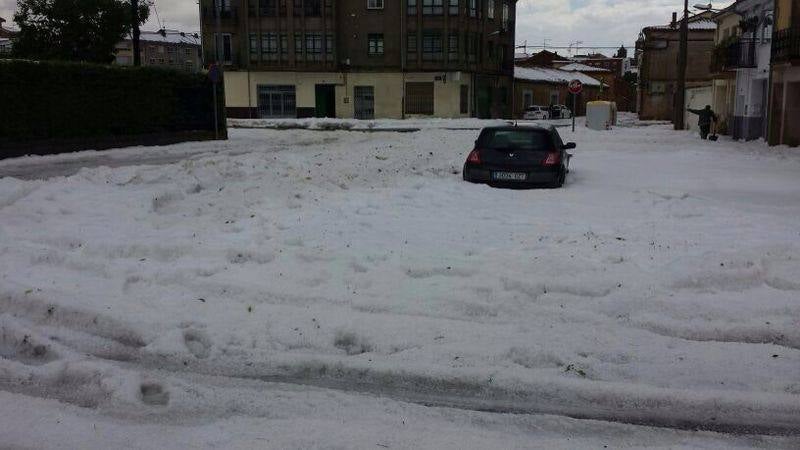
(514, 148)
(512, 157)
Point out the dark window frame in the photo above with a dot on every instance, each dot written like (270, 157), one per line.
(432, 46)
(375, 44)
(432, 7)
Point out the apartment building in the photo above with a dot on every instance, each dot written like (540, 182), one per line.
(363, 58)
(657, 53)
(724, 62)
(751, 52)
(171, 49)
(784, 120)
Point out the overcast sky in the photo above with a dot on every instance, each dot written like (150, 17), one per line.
(601, 23)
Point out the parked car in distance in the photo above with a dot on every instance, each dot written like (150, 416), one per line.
(535, 112)
(519, 155)
(560, 112)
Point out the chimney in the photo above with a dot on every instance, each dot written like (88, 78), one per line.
(674, 23)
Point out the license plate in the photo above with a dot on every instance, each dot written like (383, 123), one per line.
(509, 176)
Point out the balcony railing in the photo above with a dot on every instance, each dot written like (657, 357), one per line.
(786, 44)
(739, 54)
(227, 12)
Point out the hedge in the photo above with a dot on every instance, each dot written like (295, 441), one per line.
(49, 100)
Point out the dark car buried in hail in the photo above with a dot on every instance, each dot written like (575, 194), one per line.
(519, 156)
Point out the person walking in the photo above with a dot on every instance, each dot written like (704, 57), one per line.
(706, 116)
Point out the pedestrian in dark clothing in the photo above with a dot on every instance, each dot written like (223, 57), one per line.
(706, 115)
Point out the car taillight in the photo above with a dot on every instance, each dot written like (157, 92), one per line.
(474, 157)
(552, 159)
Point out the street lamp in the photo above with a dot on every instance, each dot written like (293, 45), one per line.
(707, 7)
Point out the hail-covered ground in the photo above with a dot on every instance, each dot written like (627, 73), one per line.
(317, 288)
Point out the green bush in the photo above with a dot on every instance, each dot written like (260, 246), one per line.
(58, 100)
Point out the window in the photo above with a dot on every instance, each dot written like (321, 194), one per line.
(471, 43)
(375, 44)
(453, 7)
(411, 7)
(224, 49)
(464, 103)
(490, 9)
(253, 47)
(223, 5)
(527, 99)
(298, 7)
(473, 8)
(329, 44)
(658, 87)
(268, 8)
(505, 16)
(419, 98)
(432, 7)
(276, 101)
(364, 102)
(519, 140)
(188, 66)
(452, 47)
(314, 46)
(374, 4)
(269, 47)
(411, 46)
(188, 52)
(313, 8)
(431, 46)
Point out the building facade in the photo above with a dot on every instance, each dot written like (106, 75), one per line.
(724, 62)
(545, 86)
(784, 127)
(166, 48)
(657, 54)
(5, 38)
(752, 52)
(363, 58)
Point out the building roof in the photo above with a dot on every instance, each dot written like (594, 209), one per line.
(697, 25)
(578, 67)
(172, 37)
(551, 75)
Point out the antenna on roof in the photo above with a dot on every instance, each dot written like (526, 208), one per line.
(158, 19)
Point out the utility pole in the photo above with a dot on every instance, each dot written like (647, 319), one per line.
(137, 58)
(680, 97)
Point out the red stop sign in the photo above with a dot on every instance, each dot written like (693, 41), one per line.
(575, 87)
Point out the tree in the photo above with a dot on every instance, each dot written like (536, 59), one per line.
(76, 30)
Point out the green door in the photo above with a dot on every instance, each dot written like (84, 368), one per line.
(325, 100)
(484, 102)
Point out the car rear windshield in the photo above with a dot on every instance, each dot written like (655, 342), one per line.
(515, 140)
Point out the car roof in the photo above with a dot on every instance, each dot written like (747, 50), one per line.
(520, 127)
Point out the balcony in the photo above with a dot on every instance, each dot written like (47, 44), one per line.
(734, 54)
(786, 44)
(226, 13)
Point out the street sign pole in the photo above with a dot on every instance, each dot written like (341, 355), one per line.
(574, 87)
(574, 96)
(213, 75)
(216, 115)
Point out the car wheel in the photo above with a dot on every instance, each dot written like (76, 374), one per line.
(559, 181)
